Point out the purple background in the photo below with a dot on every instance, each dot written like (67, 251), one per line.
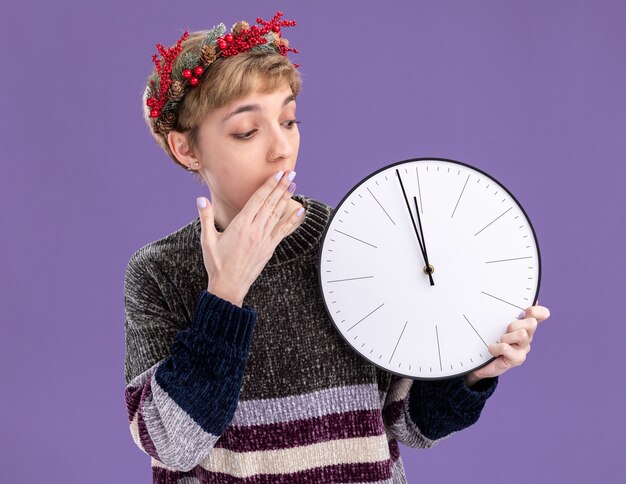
(531, 92)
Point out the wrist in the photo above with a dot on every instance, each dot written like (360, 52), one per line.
(471, 379)
(225, 294)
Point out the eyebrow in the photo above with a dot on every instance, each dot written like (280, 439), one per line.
(256, 107)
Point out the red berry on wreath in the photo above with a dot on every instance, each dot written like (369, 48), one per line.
(154, 113)
(228, 38)
(198, 70)
(187, 73)
(194, 81)
(150, 101)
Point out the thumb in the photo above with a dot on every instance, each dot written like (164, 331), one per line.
(205, 209)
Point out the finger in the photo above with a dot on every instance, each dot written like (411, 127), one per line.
(518, 337)
(285, 226)
(272, 199)
(281, 207)
(511, 356)
(207, 223)
(256, 201)
(540, 313)
(528, 324)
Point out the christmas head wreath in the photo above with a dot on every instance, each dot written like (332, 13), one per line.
(175, 75)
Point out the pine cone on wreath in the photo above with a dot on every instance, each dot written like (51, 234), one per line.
(166, 123)
(208, 54)
(239, 26)
(176, 91)
(280, 40)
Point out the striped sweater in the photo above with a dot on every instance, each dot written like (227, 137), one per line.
(268, 392)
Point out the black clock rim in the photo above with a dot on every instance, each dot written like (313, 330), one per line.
(318, 261)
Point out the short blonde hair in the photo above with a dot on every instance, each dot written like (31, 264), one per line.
(224, 81)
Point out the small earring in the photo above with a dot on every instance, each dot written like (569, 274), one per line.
(189, 168)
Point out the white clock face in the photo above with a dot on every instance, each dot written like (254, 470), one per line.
(484, 260)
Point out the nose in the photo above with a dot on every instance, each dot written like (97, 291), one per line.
(280, 145)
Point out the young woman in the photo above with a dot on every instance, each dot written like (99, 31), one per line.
(234, 372)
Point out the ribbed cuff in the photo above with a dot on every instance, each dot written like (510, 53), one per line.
(222, 320)
(464, 399)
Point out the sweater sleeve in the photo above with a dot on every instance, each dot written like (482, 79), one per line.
(182, 385)
(421, 413)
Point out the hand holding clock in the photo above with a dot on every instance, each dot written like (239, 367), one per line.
(513, 347)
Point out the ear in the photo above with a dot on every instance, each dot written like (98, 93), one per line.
(181, 148)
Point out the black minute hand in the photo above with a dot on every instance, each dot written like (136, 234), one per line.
(430, 276)
(419, 219)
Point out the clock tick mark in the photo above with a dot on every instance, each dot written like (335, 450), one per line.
(383, 208)
(468, 322)
(366, 316)
(397, 342)
(514, 305)
(350, 278)
(505, 260)
(355, 238)
(459, 199)
(438, 348)
(419, 188)
(492, 221)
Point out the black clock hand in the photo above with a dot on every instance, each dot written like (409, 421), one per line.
(419, 219)
(430, 276)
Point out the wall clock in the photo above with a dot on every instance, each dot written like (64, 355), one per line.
(424, 263)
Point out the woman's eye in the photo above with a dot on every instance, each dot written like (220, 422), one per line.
(248, 135)
(244, 136)
(292, 122)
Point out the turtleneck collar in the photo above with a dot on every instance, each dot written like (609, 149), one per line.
(304, 237)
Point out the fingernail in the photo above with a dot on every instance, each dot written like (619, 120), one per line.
(279, 175)
(300, 211)
(201, 202)
(291, 188)
(291, 176)
(521, 315)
